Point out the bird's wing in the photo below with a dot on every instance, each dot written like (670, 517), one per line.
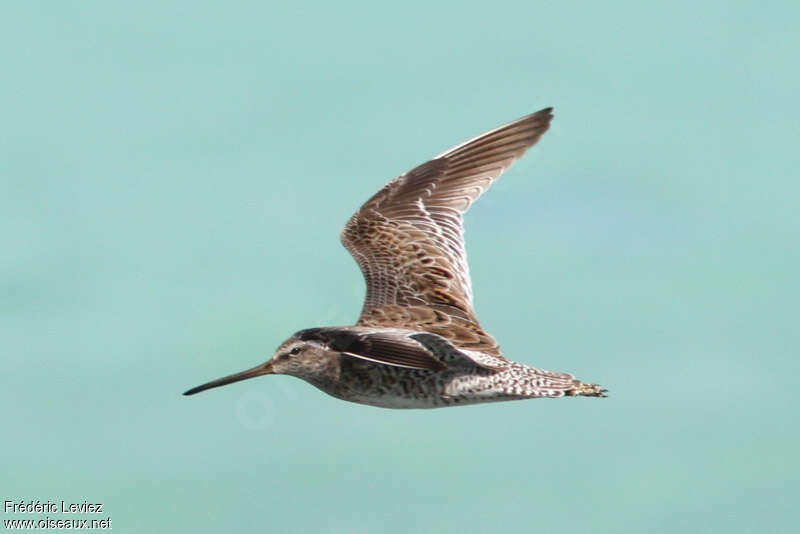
(408, 238)
(399, 348)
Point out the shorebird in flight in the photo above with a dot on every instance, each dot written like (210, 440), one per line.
(418, 343)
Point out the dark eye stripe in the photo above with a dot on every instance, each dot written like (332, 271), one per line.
(295, 351)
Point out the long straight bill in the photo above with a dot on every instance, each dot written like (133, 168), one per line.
(263, 369)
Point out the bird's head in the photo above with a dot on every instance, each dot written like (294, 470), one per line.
(303, 358)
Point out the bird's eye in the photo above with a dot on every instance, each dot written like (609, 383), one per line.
(295, 351)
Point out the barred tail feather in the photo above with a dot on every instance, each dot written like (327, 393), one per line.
(581, 389)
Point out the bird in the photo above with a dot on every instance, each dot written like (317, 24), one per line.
(418, 343)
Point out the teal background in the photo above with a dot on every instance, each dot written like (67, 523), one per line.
(174, 177)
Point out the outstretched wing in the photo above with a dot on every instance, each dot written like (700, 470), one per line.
(408, 238)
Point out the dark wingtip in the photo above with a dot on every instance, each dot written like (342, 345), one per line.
(547, 113)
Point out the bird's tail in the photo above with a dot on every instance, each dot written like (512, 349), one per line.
(582, 389)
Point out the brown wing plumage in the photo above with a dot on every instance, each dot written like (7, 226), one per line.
(408, 238)
(380, 346)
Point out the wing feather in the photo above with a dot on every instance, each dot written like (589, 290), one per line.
(408, 239)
